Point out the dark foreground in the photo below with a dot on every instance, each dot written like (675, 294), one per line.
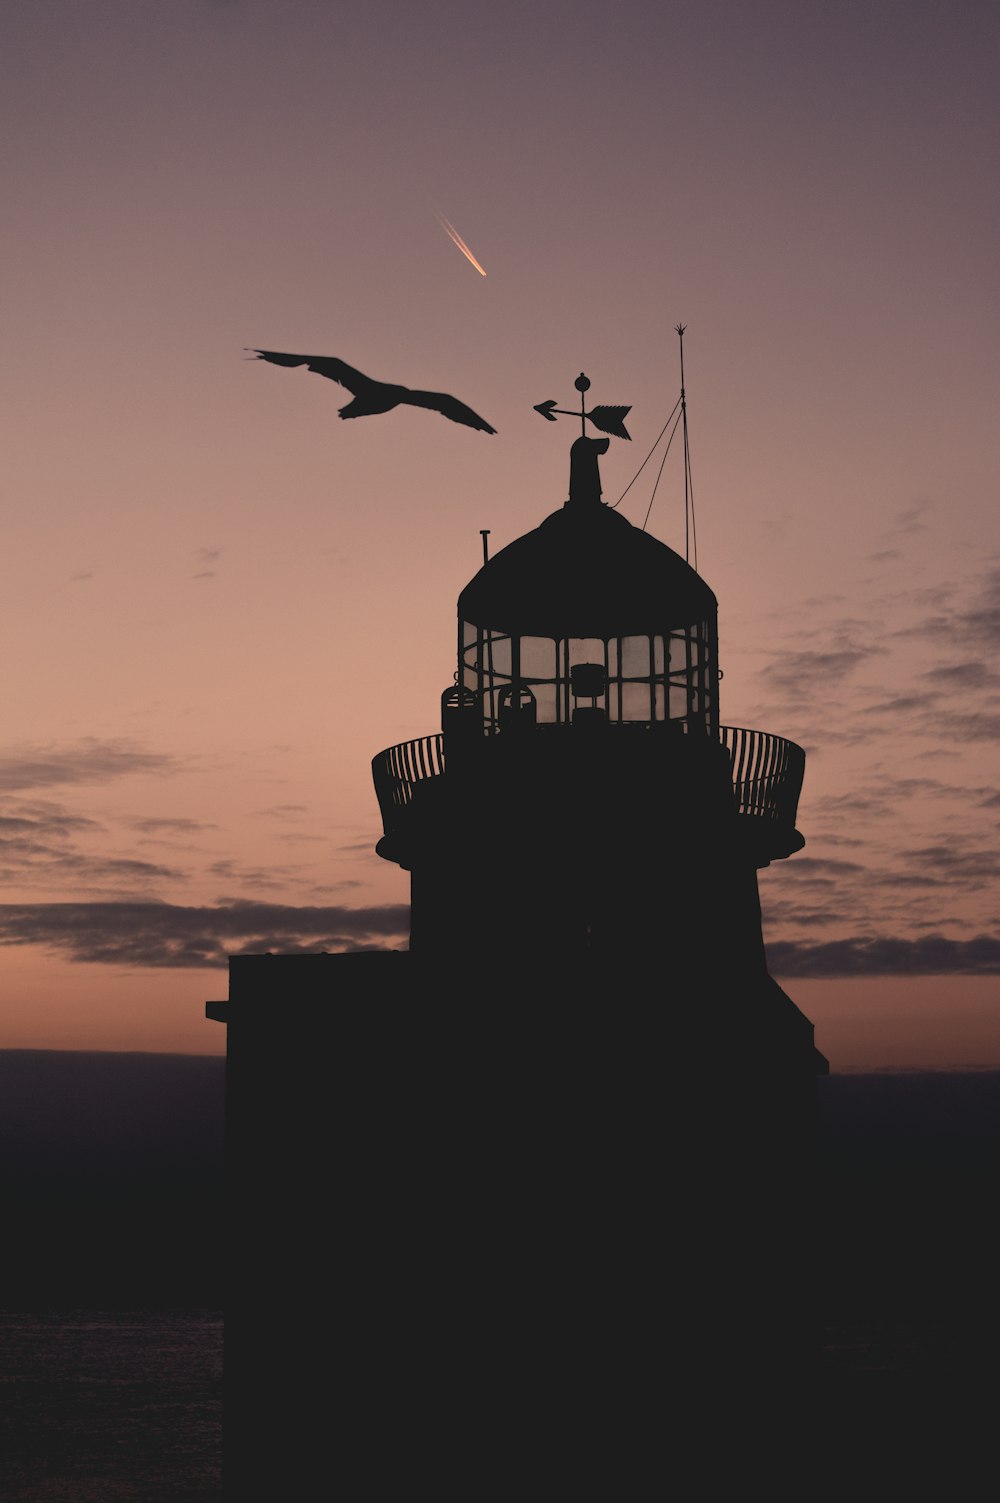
(110, 1374)
(106, 1405)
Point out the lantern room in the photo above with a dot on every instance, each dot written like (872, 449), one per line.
(588, 619)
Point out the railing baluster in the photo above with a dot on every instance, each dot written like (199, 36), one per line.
(766, 773)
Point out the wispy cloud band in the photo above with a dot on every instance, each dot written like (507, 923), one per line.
(930, 955)
(169, 935)
(86, 761)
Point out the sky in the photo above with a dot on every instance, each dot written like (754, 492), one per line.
(218, 601)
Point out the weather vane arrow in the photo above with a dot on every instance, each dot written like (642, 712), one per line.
(605, 419)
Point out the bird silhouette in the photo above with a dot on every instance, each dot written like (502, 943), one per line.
(371, 396)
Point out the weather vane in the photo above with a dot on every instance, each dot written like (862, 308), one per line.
(604, 419)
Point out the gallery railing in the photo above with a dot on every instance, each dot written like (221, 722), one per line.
(767, 774)
(399, 769)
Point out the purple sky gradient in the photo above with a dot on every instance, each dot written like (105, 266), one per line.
(219, 601)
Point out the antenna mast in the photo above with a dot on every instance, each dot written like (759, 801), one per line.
(684, 420)
(690, 533)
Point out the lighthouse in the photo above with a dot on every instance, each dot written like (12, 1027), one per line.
(584, 837)
(516, 1184)
(582, 810)
(582, 801)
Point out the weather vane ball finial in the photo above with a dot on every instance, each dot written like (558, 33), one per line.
(605, 419)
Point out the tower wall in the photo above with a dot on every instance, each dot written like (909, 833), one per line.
(534, 849)
(475, 1226)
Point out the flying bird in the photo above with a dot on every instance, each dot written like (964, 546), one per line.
(371, 396)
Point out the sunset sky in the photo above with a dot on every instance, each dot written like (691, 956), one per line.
(218, 601)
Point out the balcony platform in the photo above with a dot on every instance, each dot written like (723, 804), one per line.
(765, 773)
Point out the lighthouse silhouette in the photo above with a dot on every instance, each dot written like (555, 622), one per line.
(505, 1191)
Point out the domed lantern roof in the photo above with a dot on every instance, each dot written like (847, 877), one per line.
(586, 572)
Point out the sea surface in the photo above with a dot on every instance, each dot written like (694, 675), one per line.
(111, 1406)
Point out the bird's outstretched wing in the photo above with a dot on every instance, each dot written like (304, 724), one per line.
(373, 397)
(323, 365)
(449, 407)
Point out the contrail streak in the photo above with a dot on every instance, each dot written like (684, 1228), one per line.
(456, 239)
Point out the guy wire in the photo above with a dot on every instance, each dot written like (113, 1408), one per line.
(660, 471)
(648, 457)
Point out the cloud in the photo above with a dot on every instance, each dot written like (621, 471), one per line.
(979, 725)
(902, 704)
(28, 861)
(85, 761)
(208, 558)
(241, 875)
(170, 826)
(965, 617)
(38, 848)
(164, 935)
(175, 937)
(800, 913)
(981, 623)
(907, 519)
(815, 672)
(42, 819)
(969, 674)
(822, 866)
(958, 861)
(904, 709)
(281, 811)
(931, 955)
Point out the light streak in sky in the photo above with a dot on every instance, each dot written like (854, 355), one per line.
(456, 239)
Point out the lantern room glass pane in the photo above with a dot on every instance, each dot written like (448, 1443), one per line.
(497, 651)
(586, 650)
(635, 659)
(636, 702)
(678, 702)
(538, 657)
